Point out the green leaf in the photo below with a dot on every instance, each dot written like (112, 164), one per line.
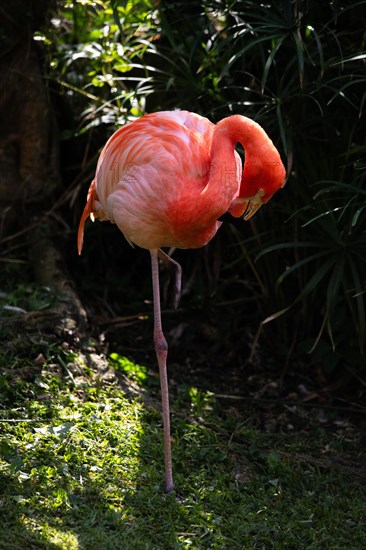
(299, 264)
(289, 245)
(123, 67)
(359, 296)
(300, 56)
(321, 272)
(270, 60)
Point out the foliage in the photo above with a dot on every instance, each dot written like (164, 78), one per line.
(297, 68)
(136, 372)
(315, 70)
(98, 59)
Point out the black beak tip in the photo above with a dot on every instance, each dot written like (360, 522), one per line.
(228, 218)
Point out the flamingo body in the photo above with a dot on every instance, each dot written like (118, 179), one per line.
(165, 180)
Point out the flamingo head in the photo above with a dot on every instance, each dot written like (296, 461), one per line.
(259, 183)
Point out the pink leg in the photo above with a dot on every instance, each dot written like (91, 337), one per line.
(161, 348)
(173, 265)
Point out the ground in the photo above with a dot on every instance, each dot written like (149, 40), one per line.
(264, 456)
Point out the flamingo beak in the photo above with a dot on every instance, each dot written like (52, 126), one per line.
(254, 203)
(243, 208)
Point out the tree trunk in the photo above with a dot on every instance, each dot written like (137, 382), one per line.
(28, 134)
(29, 150)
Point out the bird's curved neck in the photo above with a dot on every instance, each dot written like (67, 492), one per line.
(239, 129)
(259, 153)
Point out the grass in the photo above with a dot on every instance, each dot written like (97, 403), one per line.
(81, 458)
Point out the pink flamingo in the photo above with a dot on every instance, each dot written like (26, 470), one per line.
(165, 180)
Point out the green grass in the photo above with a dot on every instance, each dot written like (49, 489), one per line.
(81, 467)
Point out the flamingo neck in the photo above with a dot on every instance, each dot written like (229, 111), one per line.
(260, 157)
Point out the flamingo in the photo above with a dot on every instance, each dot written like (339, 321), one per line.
(166, 179)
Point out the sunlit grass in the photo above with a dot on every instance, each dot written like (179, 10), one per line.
(135, 372)
(82, 467)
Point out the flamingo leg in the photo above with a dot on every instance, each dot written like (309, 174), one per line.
(161, 349)
(173, 265)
